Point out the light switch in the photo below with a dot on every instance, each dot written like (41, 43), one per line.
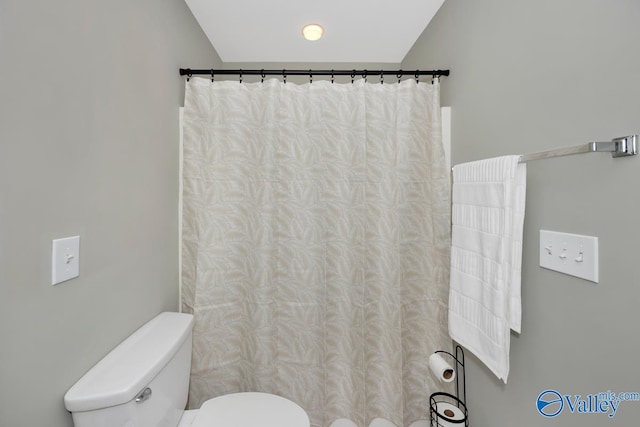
(65, 259)
(571, 254)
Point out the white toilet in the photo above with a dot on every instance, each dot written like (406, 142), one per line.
(144, 382)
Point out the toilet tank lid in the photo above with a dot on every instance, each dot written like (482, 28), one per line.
(128, 368)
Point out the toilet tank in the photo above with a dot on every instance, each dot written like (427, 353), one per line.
(115, 392)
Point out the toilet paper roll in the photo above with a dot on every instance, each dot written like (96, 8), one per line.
(441, 369)
(450, 411)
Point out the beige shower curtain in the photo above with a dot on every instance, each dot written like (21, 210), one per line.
(316, 244)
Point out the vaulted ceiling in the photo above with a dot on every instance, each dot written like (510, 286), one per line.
(354, 30)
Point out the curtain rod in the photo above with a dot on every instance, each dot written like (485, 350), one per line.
(284, 72)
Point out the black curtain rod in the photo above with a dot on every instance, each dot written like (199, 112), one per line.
(285, 72)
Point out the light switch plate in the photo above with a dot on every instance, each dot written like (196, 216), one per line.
(571, 254)
(65, 259)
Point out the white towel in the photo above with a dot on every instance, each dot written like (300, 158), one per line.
(486, 257)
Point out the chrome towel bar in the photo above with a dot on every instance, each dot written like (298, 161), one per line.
(618, 147)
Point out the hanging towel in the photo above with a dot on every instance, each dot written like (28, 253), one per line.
(486, 256)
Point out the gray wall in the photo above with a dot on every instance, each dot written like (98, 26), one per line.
(89, 97)
(528, 76)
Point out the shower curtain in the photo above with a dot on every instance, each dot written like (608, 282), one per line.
(316, 237)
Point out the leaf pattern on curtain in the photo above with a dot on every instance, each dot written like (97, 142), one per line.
(316, 236)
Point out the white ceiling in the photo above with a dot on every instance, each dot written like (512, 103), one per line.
(355, 30)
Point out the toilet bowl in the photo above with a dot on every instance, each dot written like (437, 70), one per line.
(144, 382)
(249, 409)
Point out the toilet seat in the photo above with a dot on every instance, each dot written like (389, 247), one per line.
(251, 410)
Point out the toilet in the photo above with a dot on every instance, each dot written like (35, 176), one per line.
(144, 382)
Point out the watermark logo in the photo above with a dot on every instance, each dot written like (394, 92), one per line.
(551, 403)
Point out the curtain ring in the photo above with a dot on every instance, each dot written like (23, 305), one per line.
(284, 76)
(212, 75)
(310, 77)
(435, 78)
(262, 76)
(353, 75)
(364, 75)
(417, 76)
(381, 76)
(240, 75)
(332, 76)
(399, 75)
(189, 75)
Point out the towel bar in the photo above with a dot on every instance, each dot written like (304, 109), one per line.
(618, 147)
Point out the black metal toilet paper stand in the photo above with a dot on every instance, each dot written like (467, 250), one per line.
(444, 417)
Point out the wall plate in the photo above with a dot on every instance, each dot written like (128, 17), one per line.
(571, 254)
(65, 259)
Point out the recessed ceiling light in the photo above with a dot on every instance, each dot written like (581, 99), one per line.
(312, 32)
